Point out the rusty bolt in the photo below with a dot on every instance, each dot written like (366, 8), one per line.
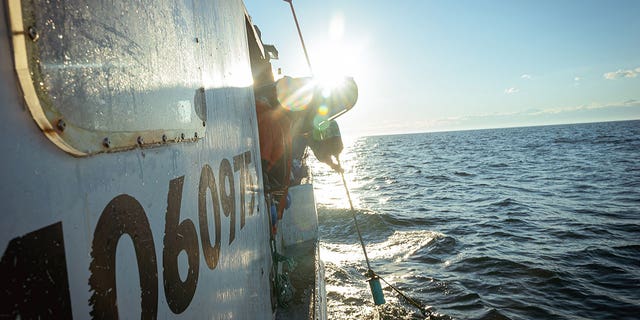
(33, 34)
(106, 142)
(140, 140)
(164, 138)
(61, 125)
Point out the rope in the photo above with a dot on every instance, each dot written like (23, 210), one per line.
(424, 311)
(370, 272)
(353, 213)
(295, 18)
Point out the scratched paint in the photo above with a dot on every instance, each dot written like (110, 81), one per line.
(72, 221)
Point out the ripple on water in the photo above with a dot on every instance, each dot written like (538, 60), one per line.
(520, 223)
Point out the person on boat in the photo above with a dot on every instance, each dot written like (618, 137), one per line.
(274, 125)
(299, 169)
(275, 142)
(291, 107)
(326, 144)
(281, 108)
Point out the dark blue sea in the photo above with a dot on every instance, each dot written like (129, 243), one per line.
(518, 223)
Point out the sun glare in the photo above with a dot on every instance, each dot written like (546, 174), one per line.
(336, 57)
(332, 67)
(339, 61)
(323, 110)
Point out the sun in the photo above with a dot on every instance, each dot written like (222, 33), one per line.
(332, 64)
(338, 60)
(336, 55)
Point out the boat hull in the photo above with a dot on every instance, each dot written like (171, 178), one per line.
(176, 229)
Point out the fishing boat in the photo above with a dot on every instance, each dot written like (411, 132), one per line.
(131, 177)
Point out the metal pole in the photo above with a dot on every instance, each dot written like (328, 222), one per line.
(304, 47)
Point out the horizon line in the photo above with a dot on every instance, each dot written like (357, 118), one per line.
(485, 128)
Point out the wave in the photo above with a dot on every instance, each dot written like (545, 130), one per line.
(568, 140)
(438, 178)
(489, 266)
(528, 223)
(463, 174)
(400, 245)
(505, 203)
(498, 165)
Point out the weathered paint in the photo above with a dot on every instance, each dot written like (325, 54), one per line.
(125, 232)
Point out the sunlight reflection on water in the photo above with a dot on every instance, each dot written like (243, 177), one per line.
(488, 224)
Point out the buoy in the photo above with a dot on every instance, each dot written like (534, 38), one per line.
(376, 290)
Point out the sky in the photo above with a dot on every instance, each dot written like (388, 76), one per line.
(454, 65)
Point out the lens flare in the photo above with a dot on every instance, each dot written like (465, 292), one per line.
(295, 94)
(326, 92)
(323, 110)
(329, 83)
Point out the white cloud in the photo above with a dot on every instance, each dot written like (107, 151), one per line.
(590, 112)
(576, 81)
(511, 90)
(592, 106)
(631, 73)
(526, 76)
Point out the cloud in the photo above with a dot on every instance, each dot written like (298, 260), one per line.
(576, 81)
(631, 73)
(511, 90)
(592, 112)
(593, 106)
(526, 76)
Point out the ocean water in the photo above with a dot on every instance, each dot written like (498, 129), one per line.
(519, 223)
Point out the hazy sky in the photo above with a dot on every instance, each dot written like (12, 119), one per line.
(447, 65)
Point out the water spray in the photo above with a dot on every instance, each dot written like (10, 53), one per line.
(374, 278)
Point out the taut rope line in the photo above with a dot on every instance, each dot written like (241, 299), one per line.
(353, 214)
(304, 47)
(370, 273)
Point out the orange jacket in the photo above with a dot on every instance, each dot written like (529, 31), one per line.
(274, 128)
(275, 139)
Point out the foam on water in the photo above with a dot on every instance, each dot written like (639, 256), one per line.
(520, 223)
